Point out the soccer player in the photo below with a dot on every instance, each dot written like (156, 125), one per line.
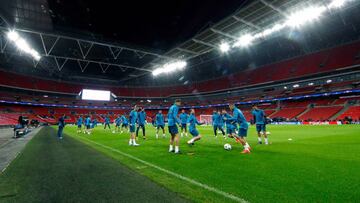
(173, 129)
(125, 123)
(117, 122)
(192, 127)
(183, 118)
(141, 118)
(79, 124)
(230, 125)
(94, 123)
(160, 123)
(221, 123)
(133, 117)
(107, 122)
(260, 122)
(239, 118)
(88, 124)
(216, 117)
(61, 125)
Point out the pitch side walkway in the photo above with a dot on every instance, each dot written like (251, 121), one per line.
(10, 148)
(52, 170)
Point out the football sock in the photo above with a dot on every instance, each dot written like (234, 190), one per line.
(176, 149)
(266, 141)
(259, 139)
(171, 148)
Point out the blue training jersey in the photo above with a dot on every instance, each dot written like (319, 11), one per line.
(118, 120)
(193, 122)
(215, 119)
(230, 124)
(141, 117)
(159, 119)
(87, 121)
(183, 118)
(172, 115)
(259, 116)
(124, 120)
(239, 118)
(133, 117)
(107, 120)
(80, 121)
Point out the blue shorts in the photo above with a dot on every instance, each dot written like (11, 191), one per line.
(117, 124)
(88, 126)
(242, 132)
(173, 130)
(183, 125)
(194, 132)
(132, 128)
(124, 125)
(260, 127)
(230, 131)
(79, 126)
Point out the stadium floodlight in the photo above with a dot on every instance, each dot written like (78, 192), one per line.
(311, 84)
(224, 47)
(22, 44)
(307, 15)
(244, 41)
(336, 3)
(328, 81)
(148, 100)
(296, 85)
(169, 67)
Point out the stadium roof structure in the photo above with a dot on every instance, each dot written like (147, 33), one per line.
(75, 57)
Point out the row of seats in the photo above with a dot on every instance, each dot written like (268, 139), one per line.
(324, 61)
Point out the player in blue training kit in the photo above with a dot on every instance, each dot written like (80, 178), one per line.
(217, 122)
(230, 125)
(239, 118)
(183, 119)
(117, 123)
(141, 119)
(79, 123)
(124, 122)
(192, 127)
(87, 125)
(173, 120)
(260, 122)
(107, 122)
(132, 118)
(94, 123)
(61, 125)
(159, 123)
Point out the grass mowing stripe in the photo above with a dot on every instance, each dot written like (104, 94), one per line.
(207, 187)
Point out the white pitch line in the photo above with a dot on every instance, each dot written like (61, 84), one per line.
(194, 182)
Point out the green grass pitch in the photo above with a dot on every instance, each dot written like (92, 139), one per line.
(319, 164)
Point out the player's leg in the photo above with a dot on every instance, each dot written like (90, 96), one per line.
(265, 134)
(258, 130)
(157, 131)
(222, 130)
(143, 131)
(242, 138)
(185, 127)
(196, 137)
(132, 141)
(163, 130)
(137, 131)
(182, 130)
(215, 130)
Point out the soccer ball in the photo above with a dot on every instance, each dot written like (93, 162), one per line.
(227, 146)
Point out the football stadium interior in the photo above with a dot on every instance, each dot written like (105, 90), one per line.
(232, 66)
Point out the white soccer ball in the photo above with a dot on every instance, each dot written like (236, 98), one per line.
(227, 146)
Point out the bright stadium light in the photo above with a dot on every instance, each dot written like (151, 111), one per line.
(169, 67)
(311, 84)
(307, 15)
(224, 47)
(22, 44)
(244, 41)
(296, 86)
(336, 3)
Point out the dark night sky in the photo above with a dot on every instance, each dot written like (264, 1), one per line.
(154, 24)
